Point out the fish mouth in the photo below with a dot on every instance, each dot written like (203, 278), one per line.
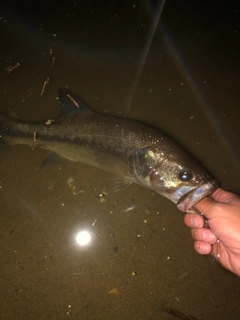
(189, 199)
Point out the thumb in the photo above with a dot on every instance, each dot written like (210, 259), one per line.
(206, 207)
(222, 195)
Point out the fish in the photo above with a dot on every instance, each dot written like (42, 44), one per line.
(131, 151)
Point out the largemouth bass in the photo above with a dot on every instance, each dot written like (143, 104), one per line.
(132, 151)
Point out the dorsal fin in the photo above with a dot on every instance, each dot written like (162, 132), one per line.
(71, 103)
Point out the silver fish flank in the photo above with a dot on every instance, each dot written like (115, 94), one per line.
(132, 151)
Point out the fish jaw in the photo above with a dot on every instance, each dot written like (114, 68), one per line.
(186, 198)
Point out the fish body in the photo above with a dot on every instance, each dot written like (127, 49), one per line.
(132, 151)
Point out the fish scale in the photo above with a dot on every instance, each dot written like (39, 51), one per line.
(130, 150)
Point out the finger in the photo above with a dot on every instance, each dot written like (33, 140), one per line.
(193, 220)
(202, 247)
(204, 234)
(205, 206)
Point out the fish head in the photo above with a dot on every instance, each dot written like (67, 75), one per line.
(175, 175)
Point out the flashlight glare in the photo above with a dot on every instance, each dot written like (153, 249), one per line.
(83, 238)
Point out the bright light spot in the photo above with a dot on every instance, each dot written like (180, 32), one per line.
(83, 238)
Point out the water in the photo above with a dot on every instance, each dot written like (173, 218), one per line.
(142, 260)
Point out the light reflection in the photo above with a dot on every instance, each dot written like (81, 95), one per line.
(83, 238)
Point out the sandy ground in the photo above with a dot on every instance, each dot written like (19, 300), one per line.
(140, 263)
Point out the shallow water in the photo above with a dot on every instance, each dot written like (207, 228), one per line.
(189, 87)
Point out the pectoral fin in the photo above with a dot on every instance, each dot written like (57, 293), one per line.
(112, 164)
(122, 172)
(118, 183)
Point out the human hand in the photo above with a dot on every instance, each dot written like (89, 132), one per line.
(222, 238)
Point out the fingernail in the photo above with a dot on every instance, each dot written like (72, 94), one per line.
(208, 236)
(195, 222)
(203, 248)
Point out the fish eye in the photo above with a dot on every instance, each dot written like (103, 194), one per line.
(185, 174)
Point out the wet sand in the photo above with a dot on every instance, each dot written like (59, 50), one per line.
(140, 263)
